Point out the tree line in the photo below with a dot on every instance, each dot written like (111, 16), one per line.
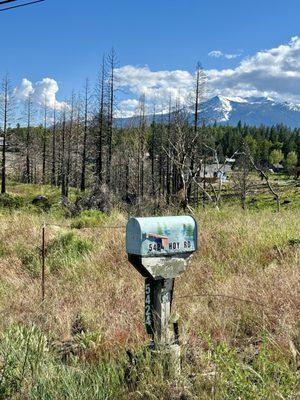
(83, 145)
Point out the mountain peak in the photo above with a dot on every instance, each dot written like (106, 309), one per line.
(251, 110)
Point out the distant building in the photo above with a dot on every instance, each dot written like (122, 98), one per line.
(277, 168)
(216, 171)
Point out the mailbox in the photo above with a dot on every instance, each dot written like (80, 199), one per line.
(161, 236)
(159, 247)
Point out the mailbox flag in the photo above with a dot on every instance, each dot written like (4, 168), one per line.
(164, 242)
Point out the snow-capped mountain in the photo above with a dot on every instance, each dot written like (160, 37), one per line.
(229, 111)
(252, 111)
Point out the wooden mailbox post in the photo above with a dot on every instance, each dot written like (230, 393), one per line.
(160, 249)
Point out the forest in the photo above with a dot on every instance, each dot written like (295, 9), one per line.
(83, 145)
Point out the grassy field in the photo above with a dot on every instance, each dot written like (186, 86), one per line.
(238, 303)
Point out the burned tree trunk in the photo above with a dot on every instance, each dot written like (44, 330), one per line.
(85, 132)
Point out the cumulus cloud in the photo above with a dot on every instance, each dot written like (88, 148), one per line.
(274, 72)
(127, 108)
(157, 86)
(25, 89)
(42, 92)
(271, 73)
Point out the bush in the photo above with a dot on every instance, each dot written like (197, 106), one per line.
(11, 202)
(3, 251)
(42, 203)
(66, 250)
(29, 258)
(262, 374)
(22, 352)
(30, 370)
(89, 219)
(100, 198)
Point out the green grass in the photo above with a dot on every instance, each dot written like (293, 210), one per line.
(251, 258)
(32, 369)
(89, 219)
(66, 250)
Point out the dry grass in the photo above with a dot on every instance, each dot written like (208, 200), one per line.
(242, 283)
(246, 256)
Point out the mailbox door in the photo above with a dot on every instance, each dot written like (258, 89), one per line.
(161, 236)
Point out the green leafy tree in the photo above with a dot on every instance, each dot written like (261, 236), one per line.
(291, 161)
(276, 156)
(252, 145)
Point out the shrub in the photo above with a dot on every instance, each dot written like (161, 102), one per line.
(66, 249)
(11, 202)
(42, 203)
(89, 219)
(29, 257)
(3, 251)
(22, 350)
(263, 375)
(30, 370)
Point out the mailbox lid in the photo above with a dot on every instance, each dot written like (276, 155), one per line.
(161, 236)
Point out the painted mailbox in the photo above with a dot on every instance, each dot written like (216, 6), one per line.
(161, 236)
(160, 248)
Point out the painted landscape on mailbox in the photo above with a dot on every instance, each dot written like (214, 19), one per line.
(169, 235)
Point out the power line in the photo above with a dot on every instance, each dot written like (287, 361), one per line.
(19, 5)
(7, 1)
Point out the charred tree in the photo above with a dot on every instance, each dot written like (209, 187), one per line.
(85, 133)
(5, 109)
(112, 61)
(53, 170)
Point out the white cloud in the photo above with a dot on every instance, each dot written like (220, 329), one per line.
(24, 90)
(127, 108)
(215, 53)
(158, 86)
(219, 53)
(42, 92)
(274, 72)
(231, 56)
(271, 73)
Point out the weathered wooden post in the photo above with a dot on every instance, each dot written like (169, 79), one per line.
(160, 249)
(43, 254)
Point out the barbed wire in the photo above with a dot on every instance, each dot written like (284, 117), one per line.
(222, 296)
(87, 228)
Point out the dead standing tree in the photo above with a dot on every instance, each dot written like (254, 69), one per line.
(53, 169)
(200, 81)
(111, 66)
(28, 138)
(44, 141)
(63, 154)
(141, 147)
(70, 127)
(183, 152)
(101, 123)
(241, 178)
(6, 108)
(85, 134)
(246, 154)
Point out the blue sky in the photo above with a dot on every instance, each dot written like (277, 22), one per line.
(64, 40)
